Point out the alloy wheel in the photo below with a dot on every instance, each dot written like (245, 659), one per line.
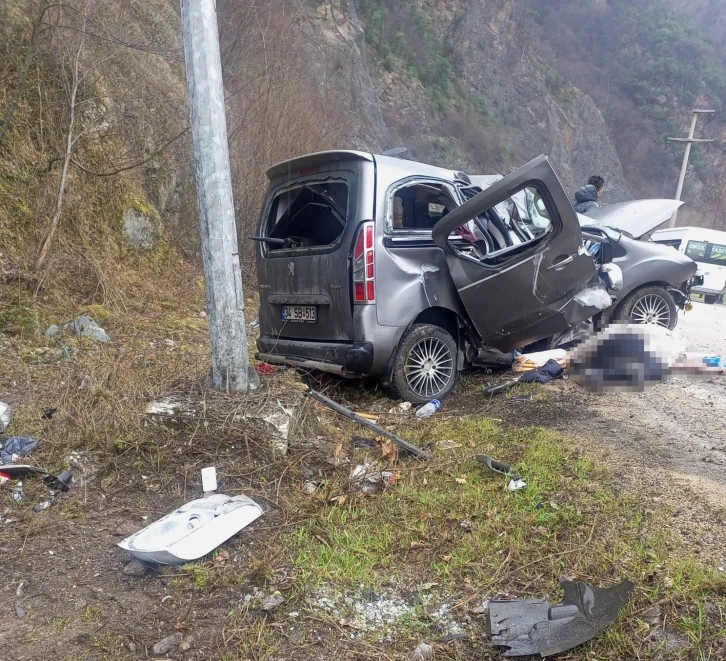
(429, 367)
(651, 309)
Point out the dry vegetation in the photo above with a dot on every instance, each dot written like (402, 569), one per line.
(275, 110)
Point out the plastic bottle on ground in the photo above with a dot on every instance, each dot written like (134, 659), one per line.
(429, 409)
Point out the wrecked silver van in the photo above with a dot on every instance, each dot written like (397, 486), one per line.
(376, 265)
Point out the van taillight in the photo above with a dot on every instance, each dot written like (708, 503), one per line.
(364, 265)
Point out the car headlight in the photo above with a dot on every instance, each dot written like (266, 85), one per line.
(613, 276)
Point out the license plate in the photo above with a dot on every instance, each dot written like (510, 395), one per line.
(302, 314)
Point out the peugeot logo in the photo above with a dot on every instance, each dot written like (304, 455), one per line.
(291, 269)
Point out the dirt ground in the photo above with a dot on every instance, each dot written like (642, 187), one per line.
(681, 424)
(66, 596)
(668, 442)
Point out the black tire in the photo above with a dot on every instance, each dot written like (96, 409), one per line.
(649, 305)
(710, 299)
(411, 380)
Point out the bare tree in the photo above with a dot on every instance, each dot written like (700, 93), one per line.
(71, 85)
(22, 80)
(104, 129)
(276, 107)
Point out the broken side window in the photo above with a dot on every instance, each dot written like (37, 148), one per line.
(419, 206)
(309, 216)
(517, 221)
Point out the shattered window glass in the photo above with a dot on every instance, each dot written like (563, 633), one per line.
(309, 216)
(673, 243)
(518, 220)
(419, 206)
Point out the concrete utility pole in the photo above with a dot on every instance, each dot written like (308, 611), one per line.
(689, 141)
(220, 251)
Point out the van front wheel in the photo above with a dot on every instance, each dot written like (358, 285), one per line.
(649, 305)
(425, 365)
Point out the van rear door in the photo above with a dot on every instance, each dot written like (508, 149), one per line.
(310, 217)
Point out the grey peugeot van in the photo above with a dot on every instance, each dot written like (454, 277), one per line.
(375, 265)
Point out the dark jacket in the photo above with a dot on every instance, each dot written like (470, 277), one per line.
(586, 199)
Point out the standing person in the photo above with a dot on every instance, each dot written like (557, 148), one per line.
(586, 198)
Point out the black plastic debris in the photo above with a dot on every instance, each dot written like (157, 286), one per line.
(532, 626)
(55, 483)
(48, 414)
(380, 431)
(501, 387)
(550, 371)
(497, 466)
(60, 482)
(17, 446)
(502, 468)
(365, 443)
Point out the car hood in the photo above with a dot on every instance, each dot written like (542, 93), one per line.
(637, 218)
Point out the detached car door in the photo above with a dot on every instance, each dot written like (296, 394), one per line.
(519, 294)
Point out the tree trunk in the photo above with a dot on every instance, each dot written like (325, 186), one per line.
(58, 211)
(29, 55)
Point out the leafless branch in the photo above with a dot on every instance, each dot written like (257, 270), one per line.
(111, 173)
(147, 48)
(58, 211)
(29, 56)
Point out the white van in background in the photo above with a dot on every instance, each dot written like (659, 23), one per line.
(708, 249)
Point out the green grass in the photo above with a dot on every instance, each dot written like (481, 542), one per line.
(93, 614)
(567, 522)
(60, 623)
(359, 542)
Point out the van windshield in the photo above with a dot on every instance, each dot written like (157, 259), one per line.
(308, 216)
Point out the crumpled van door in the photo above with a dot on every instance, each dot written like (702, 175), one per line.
(519, 294)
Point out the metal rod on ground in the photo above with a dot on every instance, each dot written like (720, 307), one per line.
(690, 140)
(220, 251)
(422, 454)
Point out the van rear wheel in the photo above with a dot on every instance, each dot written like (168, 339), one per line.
(425, 365)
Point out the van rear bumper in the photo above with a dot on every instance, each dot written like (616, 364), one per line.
(338, 358)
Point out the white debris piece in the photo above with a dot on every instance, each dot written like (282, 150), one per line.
(193, 530)
(6, 416)
(85, 326)
(370, 478)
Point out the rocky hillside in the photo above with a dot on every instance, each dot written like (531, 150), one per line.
(96, 193)
(487, 85)
(647, 67)
(481, 100)
(481, 85)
